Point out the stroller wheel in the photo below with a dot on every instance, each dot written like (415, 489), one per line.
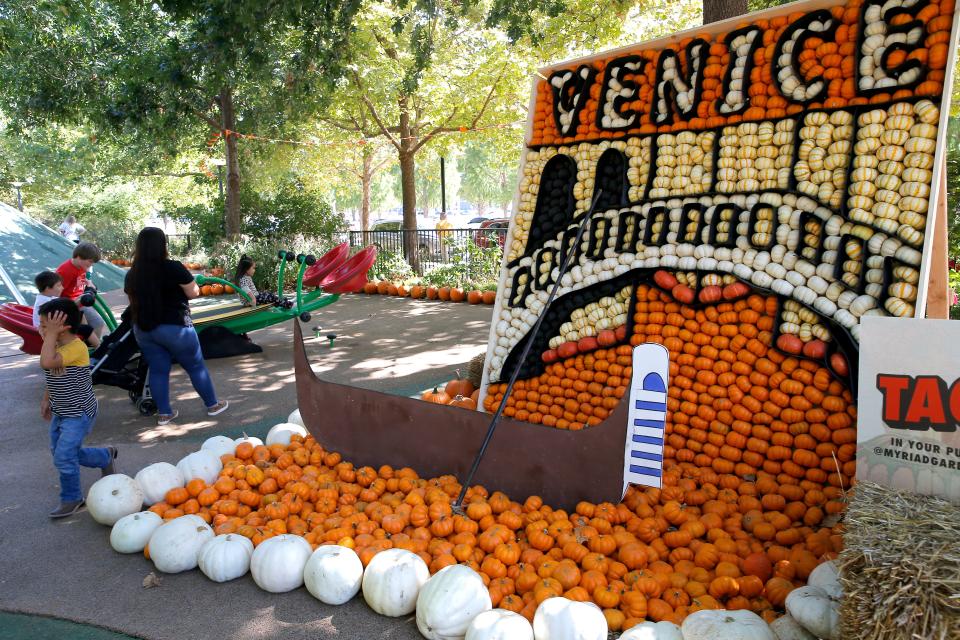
(147, 407)
(134, 396)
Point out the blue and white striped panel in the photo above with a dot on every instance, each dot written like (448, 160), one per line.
(646, 432)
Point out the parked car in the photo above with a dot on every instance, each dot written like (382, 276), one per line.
(389, 238)
(475, 222)
(490, 231)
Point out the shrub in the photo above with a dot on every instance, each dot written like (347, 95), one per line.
(112, 217)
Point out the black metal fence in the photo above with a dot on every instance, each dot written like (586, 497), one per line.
(434, 247)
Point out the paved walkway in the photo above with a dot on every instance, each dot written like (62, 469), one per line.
(67, 569)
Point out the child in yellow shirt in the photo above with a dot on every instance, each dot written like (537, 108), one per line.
(68, 402)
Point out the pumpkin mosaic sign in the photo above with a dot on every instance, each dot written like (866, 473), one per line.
(794, 153)
(754, 188)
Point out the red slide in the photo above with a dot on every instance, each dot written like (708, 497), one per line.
(352, 274)
(18, 319)
(325, 264)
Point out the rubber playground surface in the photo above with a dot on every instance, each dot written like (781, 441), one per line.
(66, 571)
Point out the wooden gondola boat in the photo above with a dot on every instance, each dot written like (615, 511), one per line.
(372, 428)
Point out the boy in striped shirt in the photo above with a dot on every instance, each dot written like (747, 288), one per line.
(68, 402)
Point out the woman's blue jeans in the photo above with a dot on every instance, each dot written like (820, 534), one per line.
(163, 346)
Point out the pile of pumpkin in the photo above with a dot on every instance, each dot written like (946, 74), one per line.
(120, 262)
(292, 513)
(458, 392)
(417, 292)
(216, 289)
(736, 405)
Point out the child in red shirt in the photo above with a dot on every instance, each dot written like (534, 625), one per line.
(73, 273)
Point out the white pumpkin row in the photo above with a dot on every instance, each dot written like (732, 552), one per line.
(609, 312)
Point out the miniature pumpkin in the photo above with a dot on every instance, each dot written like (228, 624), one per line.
(436, 396)
(458, 387)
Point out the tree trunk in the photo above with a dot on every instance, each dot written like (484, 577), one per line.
(408, 172)
(228, 119)
(365, 179)
(717, 10)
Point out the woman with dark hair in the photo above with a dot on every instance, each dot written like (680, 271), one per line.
(159, 289)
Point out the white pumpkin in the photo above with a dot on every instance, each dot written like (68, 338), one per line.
(200, 464)
(333, 574)
(827, 577)
(499, 624)
(714, 624)
(112, 497)
(156, 479)
(219, 445)
(817, 611)
(295, 418)
(653, 631)
(786, 628)
(563, 619)
(253, 440)
(174, 546)
(449, 601)
(277, 563)
(131, 533)
(225, 557)
(392, 582)
(280, 433)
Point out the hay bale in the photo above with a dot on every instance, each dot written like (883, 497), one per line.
(900, 567)
(475, 369)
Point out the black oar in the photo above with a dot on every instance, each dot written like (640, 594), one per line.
(458, 505)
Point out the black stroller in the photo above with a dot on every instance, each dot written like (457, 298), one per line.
(119, 363)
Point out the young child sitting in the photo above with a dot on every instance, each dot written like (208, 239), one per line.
(244, 277)
(73, 272)
(68, 402)
(49, 287)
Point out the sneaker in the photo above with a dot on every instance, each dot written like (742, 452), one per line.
(164, 419)
(67, 509)
(218, 408)
(109, 470)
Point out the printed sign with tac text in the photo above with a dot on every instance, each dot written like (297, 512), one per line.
(646, 429)
(909, 405)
